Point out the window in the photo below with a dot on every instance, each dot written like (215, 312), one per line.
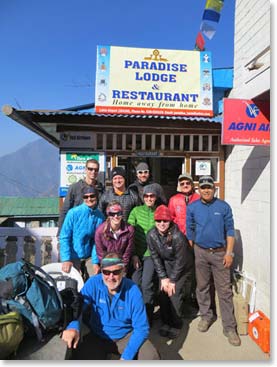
(99, 141)
(148, 142)
(138, 142)
(186, 143)
(205, 141)
(215, 143)
(128, 141)
(167, 142)
(158, 142)
(177, 142)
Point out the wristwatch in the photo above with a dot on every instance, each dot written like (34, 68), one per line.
(230, 254)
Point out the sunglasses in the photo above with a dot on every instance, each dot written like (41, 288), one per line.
(150, 196)
(89, 196)
(141, 172)
(161, 220)
(185, 183)
(119, 214)
(92, 169)
(114, 272)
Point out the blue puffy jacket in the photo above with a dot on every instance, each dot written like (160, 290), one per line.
(77, 233)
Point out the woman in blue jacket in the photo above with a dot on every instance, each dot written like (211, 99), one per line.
(76, 240)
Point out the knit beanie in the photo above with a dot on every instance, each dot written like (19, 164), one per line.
(118, 171)
(162, 213)
(150, 189)
(89, 190)
(142, 166)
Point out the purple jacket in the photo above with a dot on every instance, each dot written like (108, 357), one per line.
(123, 245)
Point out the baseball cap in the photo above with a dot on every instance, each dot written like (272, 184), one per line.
(206, 181)
(184, 176)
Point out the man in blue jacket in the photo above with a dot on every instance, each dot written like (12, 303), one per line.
(117, 317)
(210, 230)
(77, 243)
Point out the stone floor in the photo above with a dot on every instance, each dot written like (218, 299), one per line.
(192, 345)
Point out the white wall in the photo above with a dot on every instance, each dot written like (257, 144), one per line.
(248, 168)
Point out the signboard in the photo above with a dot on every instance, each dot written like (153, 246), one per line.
(202, 167)
(73, 168)
(76, 139)
(153, 82)
(245, 122)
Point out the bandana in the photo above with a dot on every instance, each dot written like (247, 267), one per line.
(111, 262)
(114, 209)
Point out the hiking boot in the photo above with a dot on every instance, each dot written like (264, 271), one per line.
(164, 330)
(204, 325)
(173, 333)
(233, 337)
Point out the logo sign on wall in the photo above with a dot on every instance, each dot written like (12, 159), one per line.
(73, 168)
(202, 167)
(154, 82)
(245, 122)
(76, 139)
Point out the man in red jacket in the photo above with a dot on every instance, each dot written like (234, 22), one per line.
(178, 203)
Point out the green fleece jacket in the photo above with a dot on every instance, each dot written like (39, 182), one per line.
(142, 218)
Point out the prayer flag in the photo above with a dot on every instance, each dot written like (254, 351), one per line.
(214, 5)
(207, 29)
(211, 15)
(200, 42)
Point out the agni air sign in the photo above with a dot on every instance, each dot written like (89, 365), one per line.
(245, 122)
(152, 81)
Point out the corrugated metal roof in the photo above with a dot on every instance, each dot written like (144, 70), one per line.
(17, 206)
(78, 113)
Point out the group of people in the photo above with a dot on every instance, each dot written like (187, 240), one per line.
(144, 251)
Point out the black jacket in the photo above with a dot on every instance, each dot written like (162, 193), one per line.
(171, 258)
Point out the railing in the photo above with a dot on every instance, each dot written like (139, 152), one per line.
(36, 245)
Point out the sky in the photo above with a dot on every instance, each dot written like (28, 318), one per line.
(48, 48)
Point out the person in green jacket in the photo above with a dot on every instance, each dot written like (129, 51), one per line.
(143, 272)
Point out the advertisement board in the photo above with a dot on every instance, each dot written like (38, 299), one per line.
(153, 82)
(76, 139)
(72, 168)
(245, 122)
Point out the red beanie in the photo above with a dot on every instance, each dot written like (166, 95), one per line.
(162, 213)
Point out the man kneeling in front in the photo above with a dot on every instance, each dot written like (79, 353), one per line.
(117, 317)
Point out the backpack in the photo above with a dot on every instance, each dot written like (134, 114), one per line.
(11, 333)
(72, 299)
(32, 292)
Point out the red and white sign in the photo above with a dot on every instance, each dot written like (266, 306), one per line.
(245, 122)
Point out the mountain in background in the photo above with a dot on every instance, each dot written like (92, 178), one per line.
(32, 171)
